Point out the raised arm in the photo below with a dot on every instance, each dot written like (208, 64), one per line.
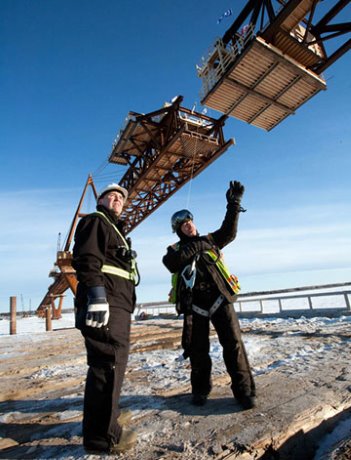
(228, 230)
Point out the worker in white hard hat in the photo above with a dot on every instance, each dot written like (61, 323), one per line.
(112, 188)
(107, 274)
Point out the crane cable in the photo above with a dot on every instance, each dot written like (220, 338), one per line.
(191, 175)
(192, 168)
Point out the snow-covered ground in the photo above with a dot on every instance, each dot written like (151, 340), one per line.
(34, 324)
(272, 344)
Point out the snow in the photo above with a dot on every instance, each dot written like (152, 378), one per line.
(34, 324)
(341, 432)
(165, 370)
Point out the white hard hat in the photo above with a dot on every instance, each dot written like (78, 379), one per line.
(117, 188)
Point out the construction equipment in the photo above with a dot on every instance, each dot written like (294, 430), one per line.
(269, 62)
(163, 150)
(63, 273)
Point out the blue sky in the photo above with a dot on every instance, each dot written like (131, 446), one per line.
(71, 72)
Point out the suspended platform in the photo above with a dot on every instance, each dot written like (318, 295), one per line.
(262, 74)
(260, 86)
(164, 150)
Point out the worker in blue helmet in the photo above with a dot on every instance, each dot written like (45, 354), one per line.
(204, 290)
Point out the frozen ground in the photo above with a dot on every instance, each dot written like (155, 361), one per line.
(301, 369)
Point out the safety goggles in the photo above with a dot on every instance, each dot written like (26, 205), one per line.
(180, 217)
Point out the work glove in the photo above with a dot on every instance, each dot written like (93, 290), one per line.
(98, 311)
(235, 192)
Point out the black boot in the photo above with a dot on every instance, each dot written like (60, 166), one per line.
(199, 400)
(246, 402)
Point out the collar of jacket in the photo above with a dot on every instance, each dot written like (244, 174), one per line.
(187, 239)
(112, 216)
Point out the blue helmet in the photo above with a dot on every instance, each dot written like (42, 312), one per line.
(179, 218)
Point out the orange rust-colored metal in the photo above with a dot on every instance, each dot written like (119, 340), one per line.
(261, 74)
(63, 273)
(163, 150)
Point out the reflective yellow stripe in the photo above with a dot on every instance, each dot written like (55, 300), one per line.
(111, 270)
(114, 226)
(232, 280)
(172, 296)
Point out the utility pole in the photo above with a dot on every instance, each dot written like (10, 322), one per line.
(22, 304)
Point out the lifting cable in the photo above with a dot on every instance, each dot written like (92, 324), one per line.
(192, 166)
(191, 174)
(100, 168)
(100, 175)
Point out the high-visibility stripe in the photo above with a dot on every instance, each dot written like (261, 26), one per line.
(232, 280)
(172, 296)
(111, 270)
(114, 226)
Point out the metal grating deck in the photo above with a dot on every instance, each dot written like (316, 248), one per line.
(263, 86)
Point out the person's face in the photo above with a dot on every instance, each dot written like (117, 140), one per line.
(188, 228)
(113, 201)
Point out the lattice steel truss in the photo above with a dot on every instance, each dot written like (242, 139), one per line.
(163, 150)
(269, 62)
(63, 273)
(301, 27)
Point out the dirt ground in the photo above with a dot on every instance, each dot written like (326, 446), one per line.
(302, 373)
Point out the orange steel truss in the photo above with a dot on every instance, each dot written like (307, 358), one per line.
(162, 151)
(270, 61)
(64, 275)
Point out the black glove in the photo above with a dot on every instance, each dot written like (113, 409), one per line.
(98, 309)
(235, 192)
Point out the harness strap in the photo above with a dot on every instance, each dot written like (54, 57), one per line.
(110, 269)
(211, 311)
(114, 226)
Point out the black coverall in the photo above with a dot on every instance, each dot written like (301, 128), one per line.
(209, 285)
(97, 243)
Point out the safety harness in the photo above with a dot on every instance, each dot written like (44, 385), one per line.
(133, 275)
(231, 280)
(212, 310)
(188, 276)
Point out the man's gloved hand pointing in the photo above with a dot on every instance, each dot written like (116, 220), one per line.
(235, 192)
